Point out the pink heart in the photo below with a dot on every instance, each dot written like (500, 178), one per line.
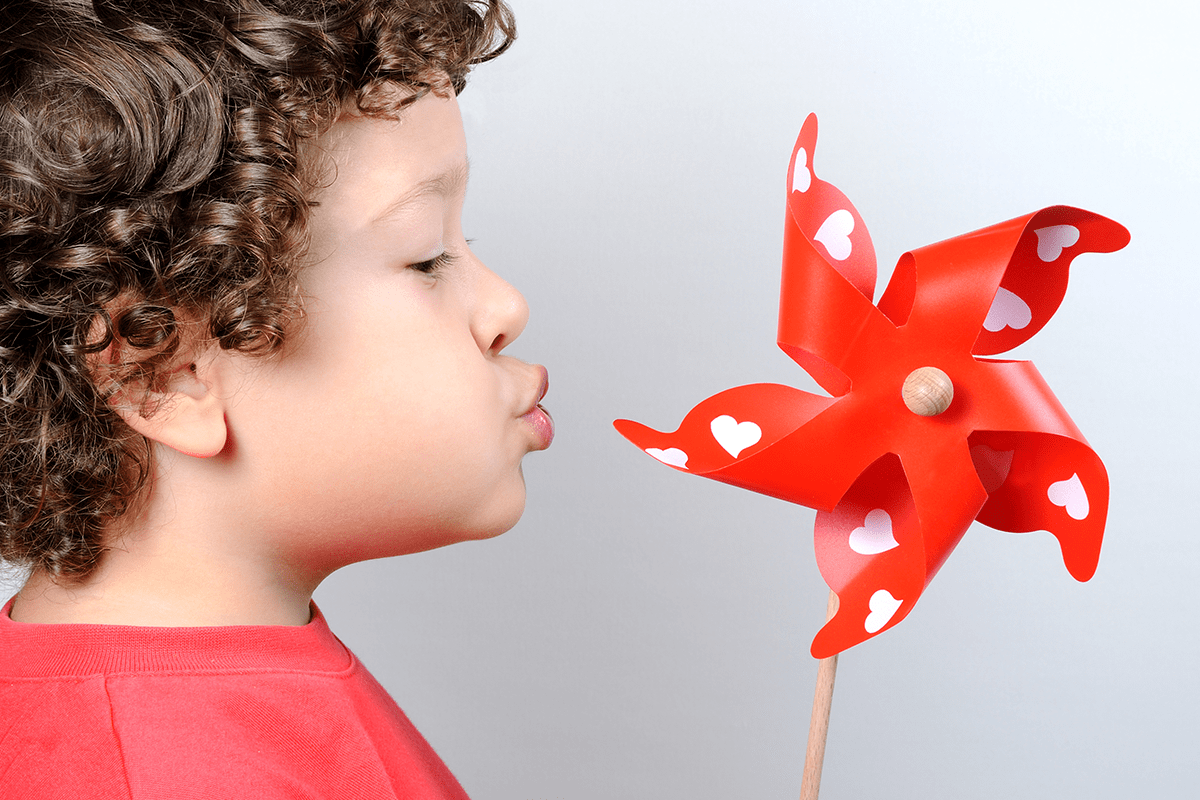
(672, 456)
(1069, 494)
(1053, 239)
(875, 536)
(801, 177)
(834, 233)
(883, 607)
(1008, 311)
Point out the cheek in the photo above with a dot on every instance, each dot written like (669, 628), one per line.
(426, 417)
(432, 388)
(389, 430)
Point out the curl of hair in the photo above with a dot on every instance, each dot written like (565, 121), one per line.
(150, 171)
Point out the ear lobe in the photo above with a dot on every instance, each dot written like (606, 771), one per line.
(186, 416)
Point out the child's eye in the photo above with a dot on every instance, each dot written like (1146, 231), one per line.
(435, 265)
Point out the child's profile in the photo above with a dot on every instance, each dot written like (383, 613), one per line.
(243, 343)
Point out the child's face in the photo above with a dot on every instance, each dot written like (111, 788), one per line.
(392, 423)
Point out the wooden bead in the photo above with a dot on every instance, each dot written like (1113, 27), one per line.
(927, 391)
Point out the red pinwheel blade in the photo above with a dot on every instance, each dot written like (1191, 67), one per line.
(827, 218)
(870, 552)
(1035, 280)
(828, 272)
(1042, 481)
(736, 427)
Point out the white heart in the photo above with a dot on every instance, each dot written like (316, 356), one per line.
(1052, 240)
(672, 456)
(734, 436)
(875, 536)
(883, 608)
(834, 233)
(801, 177)
(1069, 494)
(1008, 310)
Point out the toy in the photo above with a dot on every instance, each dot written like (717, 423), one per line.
(923, 434)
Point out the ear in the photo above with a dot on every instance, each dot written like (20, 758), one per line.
(186, 414)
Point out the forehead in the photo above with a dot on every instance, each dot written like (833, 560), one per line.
(365, 165)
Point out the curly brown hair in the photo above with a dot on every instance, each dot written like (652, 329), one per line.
(150, 175)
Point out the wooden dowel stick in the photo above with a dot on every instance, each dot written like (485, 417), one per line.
(818, 728)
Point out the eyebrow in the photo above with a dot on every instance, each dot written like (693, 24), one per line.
(446, 184)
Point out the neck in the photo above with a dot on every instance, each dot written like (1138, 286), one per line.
(175, 596)
(183, 561)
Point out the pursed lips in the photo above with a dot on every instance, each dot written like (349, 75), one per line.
(537, 416)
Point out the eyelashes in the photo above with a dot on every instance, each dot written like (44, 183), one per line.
(436, 265)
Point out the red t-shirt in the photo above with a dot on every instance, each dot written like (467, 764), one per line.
(256, 712)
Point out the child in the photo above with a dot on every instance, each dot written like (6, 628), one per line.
(243, 343)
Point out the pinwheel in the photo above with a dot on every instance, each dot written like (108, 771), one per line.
(922, 433)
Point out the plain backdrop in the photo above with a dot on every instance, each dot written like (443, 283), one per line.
(644, 634)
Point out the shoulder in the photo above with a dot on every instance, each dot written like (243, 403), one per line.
(183, 736)
(56, 740)
(93, 711)
(168, 737)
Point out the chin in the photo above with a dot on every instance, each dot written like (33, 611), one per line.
(486, 520)
(501, 519)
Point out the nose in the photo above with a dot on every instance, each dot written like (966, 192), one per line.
(500, 312)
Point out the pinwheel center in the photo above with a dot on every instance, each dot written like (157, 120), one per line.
(927, 391)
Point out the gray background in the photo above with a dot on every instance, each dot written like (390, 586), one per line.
(644, 634)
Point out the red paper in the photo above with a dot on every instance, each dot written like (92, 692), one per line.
(896, 491)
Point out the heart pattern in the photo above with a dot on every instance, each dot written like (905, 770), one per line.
(1070, 494)
(1008, 311)
(672, 456)
(834, 233)
(734, 436)
(801, 177)
(875, 536)
(883, 607)
(1053, 239)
